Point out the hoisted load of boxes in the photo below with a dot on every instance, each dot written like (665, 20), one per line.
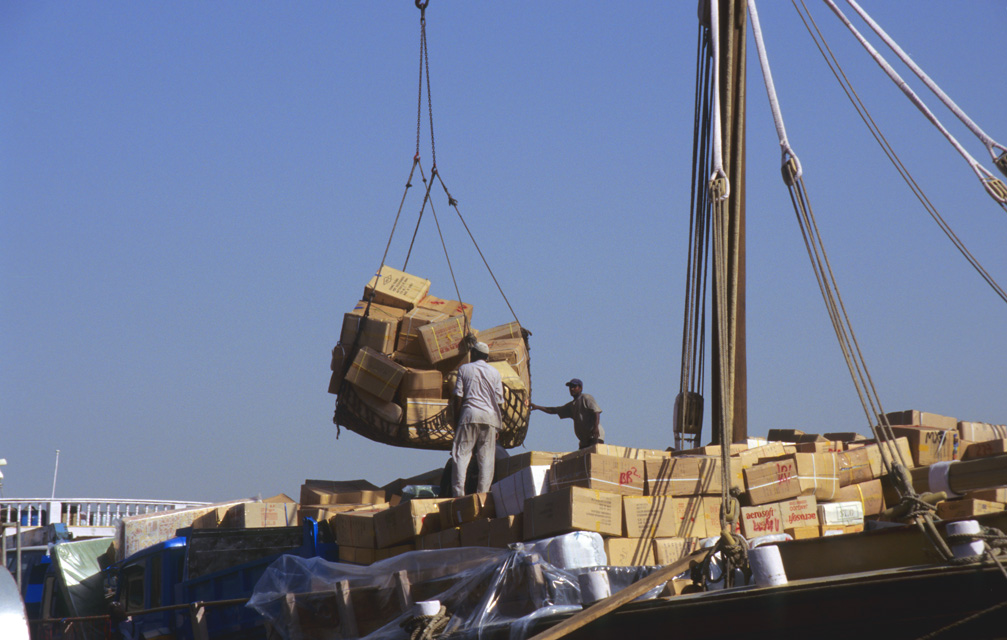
(395, 365)
(654, 507)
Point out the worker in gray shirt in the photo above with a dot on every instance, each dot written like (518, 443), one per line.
(584, 411)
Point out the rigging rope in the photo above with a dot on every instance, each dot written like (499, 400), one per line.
(856, 363)
(994, 187)
(991, 145)
(887, 149)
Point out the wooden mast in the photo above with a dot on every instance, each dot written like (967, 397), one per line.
(732, 19)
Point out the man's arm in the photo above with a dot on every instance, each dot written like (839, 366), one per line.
(596, 430)
(549, 410)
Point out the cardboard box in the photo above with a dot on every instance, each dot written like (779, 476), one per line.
(773, 481)
(403, 522)
(992, 495)
(690, 517)
(649, 517)
(327, 492)
(509, 376)
(819, 446)
(762, 520)
(689, 475)
(803, 533)
(376, 373)
(506, 531)
(513, 464)
(711, 514)
(442, 340)
(357, 528)
(966, 508)
(456, 511)
(255, 515)
(409, 329)
(869, 494)
(421, 384)
(328, 513)
(605, 473)
(751, 457)
(846, 437)
(912, 417)
(630, 552)
(619, 452)
(669, 550)
(840, 513)
(929, 445)
(396, 288)
(375, 333)
(420, 410)
(710, 450)
(365, 556)
(876, 455)
(514, 352)
(475, 533)
(784, 435)
(818, 474)
(573, 509)
(986, 449)
(449, 538)
(450, 307)
(510, 493)
(385, 409)
(981, 431)
(509, 330)
(379, 311)
(854, 466)
(799, 512)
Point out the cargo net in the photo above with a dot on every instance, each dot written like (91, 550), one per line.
(436, 432)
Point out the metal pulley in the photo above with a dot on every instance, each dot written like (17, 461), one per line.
(688, 413)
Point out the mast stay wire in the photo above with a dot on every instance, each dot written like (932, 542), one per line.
(991, 145)
(994, 187)
(688, 406)
(894, 462)
(889, 151)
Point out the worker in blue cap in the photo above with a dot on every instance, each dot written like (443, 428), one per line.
(584, 411)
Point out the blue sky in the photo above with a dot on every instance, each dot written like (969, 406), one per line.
(194, 193)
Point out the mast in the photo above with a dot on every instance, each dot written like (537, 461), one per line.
(732, 19)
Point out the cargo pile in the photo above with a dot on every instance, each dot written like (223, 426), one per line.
(653, 507)
(394, 366)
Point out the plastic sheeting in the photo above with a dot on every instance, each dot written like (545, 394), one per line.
(80, 575)
(480, 588)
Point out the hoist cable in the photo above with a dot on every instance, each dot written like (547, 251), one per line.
(991, 145)
(893, 157)
(990, 183)
(454, 204)
(398, 214)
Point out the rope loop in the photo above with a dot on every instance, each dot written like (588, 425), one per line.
(720, 188)
(1001, 162)
(427, 627)
(791, 169)
(996, 189)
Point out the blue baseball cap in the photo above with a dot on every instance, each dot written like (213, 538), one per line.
(575, 382)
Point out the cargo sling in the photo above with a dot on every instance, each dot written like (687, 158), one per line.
(437, 431)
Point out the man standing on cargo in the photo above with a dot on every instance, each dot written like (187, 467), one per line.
(585, 412)
(477, 402)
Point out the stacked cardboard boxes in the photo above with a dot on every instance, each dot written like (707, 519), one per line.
(400, 345)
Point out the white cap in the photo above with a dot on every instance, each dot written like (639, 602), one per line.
(481, 347)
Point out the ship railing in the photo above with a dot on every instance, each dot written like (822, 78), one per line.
(82, 512)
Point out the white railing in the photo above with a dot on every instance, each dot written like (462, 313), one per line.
(82, 512)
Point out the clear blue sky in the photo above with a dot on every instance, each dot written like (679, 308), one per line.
(193, 193)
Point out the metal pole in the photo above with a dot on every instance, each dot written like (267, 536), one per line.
(54, 472)
(17, 554)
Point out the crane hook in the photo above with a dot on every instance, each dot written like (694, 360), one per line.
(422, 4)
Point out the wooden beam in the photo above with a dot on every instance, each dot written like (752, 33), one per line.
(616, 600)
